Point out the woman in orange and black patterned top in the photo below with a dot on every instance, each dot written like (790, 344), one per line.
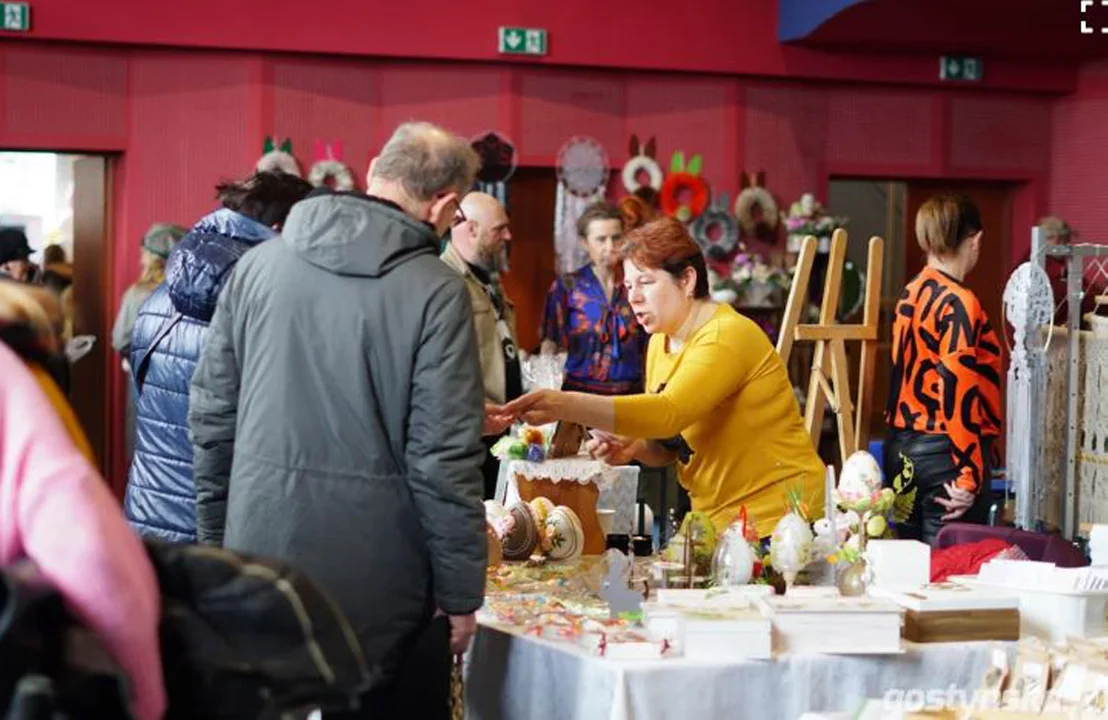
(944, 395)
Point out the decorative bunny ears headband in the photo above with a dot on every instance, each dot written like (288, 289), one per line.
(270, 146)
(278, 158)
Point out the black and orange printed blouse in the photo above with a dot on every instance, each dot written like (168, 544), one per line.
(946, 369)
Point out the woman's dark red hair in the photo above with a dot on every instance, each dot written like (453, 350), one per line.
(665, 244)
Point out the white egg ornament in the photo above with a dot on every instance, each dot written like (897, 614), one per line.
(859, 483)
(733, 560)
(790, 546)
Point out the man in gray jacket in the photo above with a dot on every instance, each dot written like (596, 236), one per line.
(336, 415)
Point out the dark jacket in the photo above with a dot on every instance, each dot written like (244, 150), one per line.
(51, 666)
(165, 346)
(281, 646)
(340, 380)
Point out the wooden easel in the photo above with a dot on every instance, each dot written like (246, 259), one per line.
(830, 379)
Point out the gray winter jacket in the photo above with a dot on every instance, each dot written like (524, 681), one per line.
(336, 417)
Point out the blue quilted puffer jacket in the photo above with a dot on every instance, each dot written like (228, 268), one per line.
(165, 347)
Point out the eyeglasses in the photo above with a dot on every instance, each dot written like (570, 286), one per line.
(459, 215)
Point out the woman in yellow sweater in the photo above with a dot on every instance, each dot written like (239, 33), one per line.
(718, 399)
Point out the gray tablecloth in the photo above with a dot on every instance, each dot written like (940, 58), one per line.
(522, 678)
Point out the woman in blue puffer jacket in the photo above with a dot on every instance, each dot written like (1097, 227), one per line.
(167, 339)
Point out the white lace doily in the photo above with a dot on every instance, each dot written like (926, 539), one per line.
(1028, 302)
(581, 469)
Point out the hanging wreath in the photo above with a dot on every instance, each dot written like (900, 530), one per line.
(276, 158)
(642, 161)
(583, 166)
(716, 231)
(329, 166)
(684, 194)
(498, 157)
(755, 197)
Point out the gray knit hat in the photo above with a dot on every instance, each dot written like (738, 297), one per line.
(161, 237)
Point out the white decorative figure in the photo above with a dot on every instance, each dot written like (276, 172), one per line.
(790, 546)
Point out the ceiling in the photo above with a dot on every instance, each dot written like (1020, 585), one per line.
(1046, 31)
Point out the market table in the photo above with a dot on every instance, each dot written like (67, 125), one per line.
(511, 675)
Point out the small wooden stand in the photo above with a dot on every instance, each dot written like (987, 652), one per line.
(832, 387)
(567, 440)
(579, 497)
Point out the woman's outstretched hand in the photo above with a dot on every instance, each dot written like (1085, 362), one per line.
(537, 407)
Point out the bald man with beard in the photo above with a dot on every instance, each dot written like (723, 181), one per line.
(480, 233)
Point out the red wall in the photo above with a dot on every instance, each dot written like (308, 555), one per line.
(718, 36)
(1079, 172)
(184, 119)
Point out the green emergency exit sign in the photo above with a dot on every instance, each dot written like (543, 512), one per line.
(959, 67)
(15, 16)
(522, 41)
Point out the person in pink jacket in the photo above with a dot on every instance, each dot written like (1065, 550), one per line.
(56, 511)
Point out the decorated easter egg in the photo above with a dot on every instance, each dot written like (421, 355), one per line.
(790, 546)
(541, 507)
(567, 536)
(733, 561)
(860, 481)
(523, 536)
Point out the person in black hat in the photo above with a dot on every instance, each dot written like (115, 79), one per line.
(15, 253)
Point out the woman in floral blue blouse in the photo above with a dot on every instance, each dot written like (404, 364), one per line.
(588, 316)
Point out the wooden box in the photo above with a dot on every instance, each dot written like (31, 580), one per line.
(945, 612)
(961, 625)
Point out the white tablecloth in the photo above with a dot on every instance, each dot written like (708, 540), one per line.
(512, 677)
(619, 493)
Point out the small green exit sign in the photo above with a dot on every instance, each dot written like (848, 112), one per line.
(16, 16)
(522, 41)
(958, 67)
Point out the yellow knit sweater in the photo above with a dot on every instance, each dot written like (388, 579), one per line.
(728, 394)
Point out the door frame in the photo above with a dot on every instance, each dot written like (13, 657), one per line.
(96, 406)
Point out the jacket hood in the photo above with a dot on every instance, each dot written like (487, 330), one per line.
(205, 256)
(349, 234)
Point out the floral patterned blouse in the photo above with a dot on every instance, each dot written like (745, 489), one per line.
(605, 344)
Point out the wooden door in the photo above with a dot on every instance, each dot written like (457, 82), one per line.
(988, 279)
(531, 193)
(92, 265)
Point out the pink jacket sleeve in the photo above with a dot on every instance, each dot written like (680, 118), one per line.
(58, 512)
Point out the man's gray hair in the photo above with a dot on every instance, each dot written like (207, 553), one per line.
(427, 160)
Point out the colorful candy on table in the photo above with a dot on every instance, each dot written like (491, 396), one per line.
(589, 629)
(561, 602)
